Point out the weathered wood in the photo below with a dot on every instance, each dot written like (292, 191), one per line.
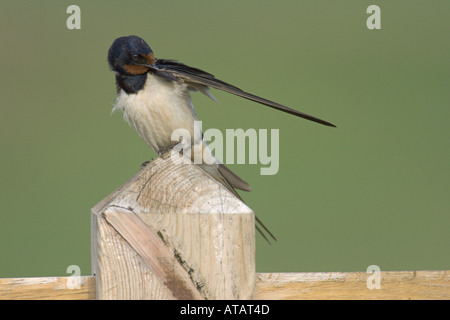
(120, 271)
(47, 288)
(398, 285)
(401, 285)
(173, 232)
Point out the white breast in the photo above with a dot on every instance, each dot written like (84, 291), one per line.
(158, 110)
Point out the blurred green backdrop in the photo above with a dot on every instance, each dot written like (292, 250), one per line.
(372, 191)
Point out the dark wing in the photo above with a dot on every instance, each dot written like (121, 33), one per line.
(173, 70)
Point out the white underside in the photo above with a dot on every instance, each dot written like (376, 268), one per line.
(161, 108)
(158, 110)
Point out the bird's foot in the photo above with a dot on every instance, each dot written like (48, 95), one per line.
(164, 152)
(145, 163)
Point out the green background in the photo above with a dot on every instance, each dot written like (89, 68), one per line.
(374, 190)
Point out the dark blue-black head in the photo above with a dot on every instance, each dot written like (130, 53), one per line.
(130, 55)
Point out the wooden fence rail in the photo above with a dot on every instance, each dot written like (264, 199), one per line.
(173, 232)
(399, 285)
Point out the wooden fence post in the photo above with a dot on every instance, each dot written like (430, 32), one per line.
(173, 232)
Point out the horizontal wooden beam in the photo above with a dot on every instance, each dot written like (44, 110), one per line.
(274, 286)
(48, 288)
(393, 285)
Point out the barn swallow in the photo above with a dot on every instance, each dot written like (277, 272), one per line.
(154, 95)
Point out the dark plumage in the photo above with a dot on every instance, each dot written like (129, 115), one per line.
(132, 56)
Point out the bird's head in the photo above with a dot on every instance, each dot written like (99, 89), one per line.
(130, 55)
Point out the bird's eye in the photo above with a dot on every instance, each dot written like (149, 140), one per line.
(135, 57)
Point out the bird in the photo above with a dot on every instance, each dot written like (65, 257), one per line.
(154, 95)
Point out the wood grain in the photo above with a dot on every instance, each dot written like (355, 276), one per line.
(47, 288)
(193, 226)
(395, 285)
(160, 261)
(398, 285)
